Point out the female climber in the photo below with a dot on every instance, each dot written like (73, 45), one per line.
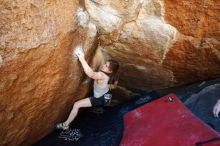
(106, 76)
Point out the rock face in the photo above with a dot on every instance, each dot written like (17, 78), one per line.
(39, 77)
(195, 56)
(159, 44)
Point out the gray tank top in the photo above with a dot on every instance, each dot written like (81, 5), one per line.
(101, 89)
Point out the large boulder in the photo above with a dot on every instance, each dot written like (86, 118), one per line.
(195, 56)
(159, 43)
(40, 78)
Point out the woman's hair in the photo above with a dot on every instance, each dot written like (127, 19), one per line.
(114, 67)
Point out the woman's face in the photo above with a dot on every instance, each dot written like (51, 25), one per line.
(105, 67)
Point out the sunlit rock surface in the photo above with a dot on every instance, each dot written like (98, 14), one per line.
(159, 43)
(40, 78)
(196, 55)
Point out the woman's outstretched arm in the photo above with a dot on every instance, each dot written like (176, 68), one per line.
(87, 69)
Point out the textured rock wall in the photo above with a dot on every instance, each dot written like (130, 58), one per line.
(39, 77)
(136, 34)
(160, 43)
(196, 55)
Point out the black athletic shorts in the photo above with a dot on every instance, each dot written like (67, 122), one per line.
(101, 101)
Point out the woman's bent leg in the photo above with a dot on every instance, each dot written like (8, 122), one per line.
(81, 103)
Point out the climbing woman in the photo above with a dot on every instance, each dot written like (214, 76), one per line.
(103, 79)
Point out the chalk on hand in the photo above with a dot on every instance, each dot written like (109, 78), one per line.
(78, 50)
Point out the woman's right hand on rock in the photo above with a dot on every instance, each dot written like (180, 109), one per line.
(79, 53)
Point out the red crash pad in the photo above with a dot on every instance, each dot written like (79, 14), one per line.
(166, 122)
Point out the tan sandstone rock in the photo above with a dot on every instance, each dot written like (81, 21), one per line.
(138, 37)
(39, 76)
(196, 55)
(155, 40)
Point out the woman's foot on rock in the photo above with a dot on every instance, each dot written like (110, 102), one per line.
(62, 126)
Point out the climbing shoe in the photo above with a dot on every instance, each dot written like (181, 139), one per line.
(62, 126)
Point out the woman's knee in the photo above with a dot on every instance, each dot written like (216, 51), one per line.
(82, 103)
(76, 105)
